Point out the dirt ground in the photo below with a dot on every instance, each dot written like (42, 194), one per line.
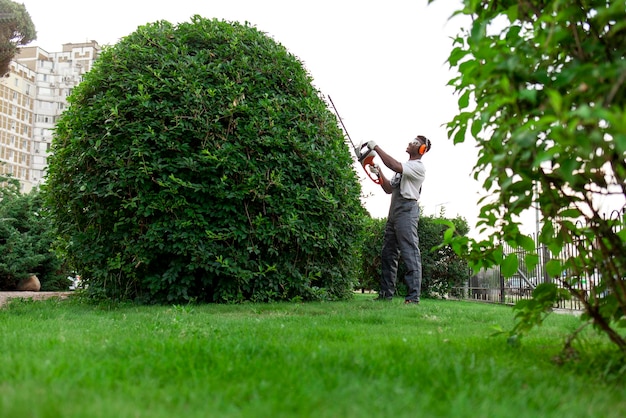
(5, 296)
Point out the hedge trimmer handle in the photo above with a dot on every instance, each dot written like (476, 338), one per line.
(367, 161)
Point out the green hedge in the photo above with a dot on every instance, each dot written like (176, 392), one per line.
(198, 162)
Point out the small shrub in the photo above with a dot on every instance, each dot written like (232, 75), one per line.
(26, 240)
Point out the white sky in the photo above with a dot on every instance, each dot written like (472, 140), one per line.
(383, 64)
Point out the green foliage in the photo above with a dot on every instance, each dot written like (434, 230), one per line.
(16, 28)
(532, 312)
(197, 162)
(542, 89)
(442, 268)
(373, 231)
(26, 240)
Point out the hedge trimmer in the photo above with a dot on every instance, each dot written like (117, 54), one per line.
(364, 155)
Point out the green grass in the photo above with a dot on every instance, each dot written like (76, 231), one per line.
(342, 359)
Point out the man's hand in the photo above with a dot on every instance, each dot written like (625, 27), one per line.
(375, 170)
(371, 145)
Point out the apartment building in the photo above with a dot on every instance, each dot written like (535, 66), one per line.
(32, 97)
(17, 104)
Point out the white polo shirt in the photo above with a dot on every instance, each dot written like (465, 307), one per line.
(413, 175)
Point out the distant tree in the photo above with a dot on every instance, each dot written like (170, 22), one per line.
(26, 240)
(542, 89)
(16, 28)
(198, 162)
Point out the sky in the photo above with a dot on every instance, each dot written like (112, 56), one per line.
(383, 63)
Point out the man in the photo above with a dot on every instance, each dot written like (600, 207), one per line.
(401, 230)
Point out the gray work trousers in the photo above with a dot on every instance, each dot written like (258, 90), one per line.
(401, 239)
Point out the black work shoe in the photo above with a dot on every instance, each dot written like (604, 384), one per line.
(411, 302)
(381, 299)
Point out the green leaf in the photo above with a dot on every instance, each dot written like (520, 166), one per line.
(531, 261)
(511, 13)
(464, 100)
(447, 235)
(457, 55)
(529, 95)
(570, 213)
(556, 100)
(526, 242)
(510, 265)
(476, 127)
(554, 268)
(568, 169)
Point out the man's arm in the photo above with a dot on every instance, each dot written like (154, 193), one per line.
(384, 182)
(388, 160)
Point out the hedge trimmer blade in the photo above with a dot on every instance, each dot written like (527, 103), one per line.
(364, 155)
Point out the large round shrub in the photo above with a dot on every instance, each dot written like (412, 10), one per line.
(197, 162)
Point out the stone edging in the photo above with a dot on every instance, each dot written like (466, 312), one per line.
(6, 296)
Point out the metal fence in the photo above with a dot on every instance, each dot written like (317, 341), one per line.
(491, 286)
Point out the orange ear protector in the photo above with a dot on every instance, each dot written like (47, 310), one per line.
(425, 146)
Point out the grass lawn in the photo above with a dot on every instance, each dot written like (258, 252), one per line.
(342, 359)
